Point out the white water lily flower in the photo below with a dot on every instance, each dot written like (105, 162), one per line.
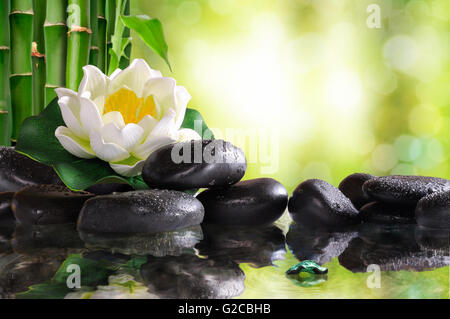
(123, 118)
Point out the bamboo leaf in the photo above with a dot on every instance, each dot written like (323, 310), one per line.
(151, 32)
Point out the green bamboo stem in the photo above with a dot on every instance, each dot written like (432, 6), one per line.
(5, 102)
(101, 38)
(21, 31)
(38, 56)
(94, 51)
(125, 60)
(111, 19)
(78, 41)
(55, 31)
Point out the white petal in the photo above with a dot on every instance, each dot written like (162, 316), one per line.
(152, 144)
(182, 97)
(72, 144)
(115, 73)
(70, 111)
(113, 117)
(108, 152)
(94, 82)
(147, 123)
(163, 91)
(127, 137)
(128, 170)
(89, 116)
(166, 126)
(133, 77)
(186, 134)
(64, 92)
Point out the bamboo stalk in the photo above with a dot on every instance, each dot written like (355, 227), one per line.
(5, 102)
(125, 60)
(94, 51)
(21, 31)
(38, 56)
(55, 31)
(101, 38)
(78, 41)
(111, 19)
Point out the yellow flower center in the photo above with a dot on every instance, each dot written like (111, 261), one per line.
(133, 108)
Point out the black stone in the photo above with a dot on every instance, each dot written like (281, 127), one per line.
(170, 243)
(18, 171)
(109, 188)
(383, 213)
(191, 277)
(258, 201)
(5, 206)
(433, 211)
(205, 164)
(48, 204)
(351, 186)
(404, 190)
(318, 203)
(146, 211)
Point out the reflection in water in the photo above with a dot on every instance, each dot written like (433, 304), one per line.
(172, 243)
(218, 262)
(393, 248)
(257, 246)
(318, 245)
(193, 277)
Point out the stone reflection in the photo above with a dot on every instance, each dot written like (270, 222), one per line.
(191, 277)
(318, 244)
(395, 248)
(257, 246)
(172, 243)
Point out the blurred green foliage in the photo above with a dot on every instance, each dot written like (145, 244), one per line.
(338, 96)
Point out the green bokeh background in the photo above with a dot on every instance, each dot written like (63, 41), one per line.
(337, 96)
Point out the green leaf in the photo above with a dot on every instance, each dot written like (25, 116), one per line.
(151, 32)
(194, 120)
(37, 140)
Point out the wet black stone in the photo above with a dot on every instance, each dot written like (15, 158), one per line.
(109, 188)
(48, 204)
(433, 211)
(5, 207)
(206, 164)
(318, 203)
(318, 245)
(170, 243)
(147, 211)
(191, 277)
(404, 190)
(383, 213)
(434, 239)
(351, 186)
(257, 246)
(258, 201)
(18, 171)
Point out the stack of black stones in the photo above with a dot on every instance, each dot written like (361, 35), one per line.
(32, 194)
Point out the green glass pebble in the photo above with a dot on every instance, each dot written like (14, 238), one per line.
(308, 266)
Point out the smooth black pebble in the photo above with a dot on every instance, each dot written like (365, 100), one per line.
(316, 202)
(433, 211)
(146, 211)
(403, 189)
(195, 164)
(382, 213)
(351, 186)
(48, 204)
(258, 201)
(18, 171)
